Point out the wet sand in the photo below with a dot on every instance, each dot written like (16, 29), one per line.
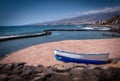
(43, 53)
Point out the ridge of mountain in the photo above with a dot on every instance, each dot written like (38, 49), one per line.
(84, 19)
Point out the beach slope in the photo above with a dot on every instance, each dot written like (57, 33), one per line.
(43, 53)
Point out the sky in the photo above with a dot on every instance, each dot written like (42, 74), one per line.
(22, 12)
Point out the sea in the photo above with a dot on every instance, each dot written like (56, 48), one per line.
(9, 46)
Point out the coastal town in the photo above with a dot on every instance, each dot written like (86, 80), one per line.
(113, 23)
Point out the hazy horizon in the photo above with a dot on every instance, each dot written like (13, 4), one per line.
(21, 12)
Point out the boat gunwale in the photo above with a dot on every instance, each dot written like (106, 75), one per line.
(82, 53)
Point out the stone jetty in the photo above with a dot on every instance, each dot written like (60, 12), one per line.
(58, 72)
(25, 36)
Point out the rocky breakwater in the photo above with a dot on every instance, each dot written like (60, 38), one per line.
(58, 72)
(9, 37)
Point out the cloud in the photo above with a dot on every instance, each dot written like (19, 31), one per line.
(104, 10)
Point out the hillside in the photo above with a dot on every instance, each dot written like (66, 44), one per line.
(85, 19)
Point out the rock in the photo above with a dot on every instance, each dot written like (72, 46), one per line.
(69, 65)
(90, 67)
(103, 67)
(3, 76)
(62, 68)
(110, 74)
(113, 60)
(94, 74)
(40, 66)
(48, 70)
(2, 79)
(80, 65)
(35, 76)
(75, 79)
(20, 65)
(76, 70)
(109, 61)
(16, 78)
(10, 77)
(57, 78)
(1, 66)
(40, 76)
(17, 68)
(37, 79)
(38, 73)
(7, 68)
(15, 71)
(78, 74)
(39, 69)
(59, 72)
(63, 73)
(28, 70)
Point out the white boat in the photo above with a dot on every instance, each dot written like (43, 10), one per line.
(64, 56)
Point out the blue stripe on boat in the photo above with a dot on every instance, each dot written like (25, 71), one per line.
(68, 59)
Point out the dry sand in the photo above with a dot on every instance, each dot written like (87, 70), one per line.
(43, 53)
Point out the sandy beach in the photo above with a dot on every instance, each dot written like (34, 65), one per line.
(43, 53)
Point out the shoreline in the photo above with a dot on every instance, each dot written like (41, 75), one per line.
(44, 33)
(114, 28)
(43, 53)
(100, 25)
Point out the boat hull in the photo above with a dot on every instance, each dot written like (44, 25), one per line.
(81, 58)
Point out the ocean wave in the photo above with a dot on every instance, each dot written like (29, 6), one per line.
(79, 26)
(96, 28)
(87, 28)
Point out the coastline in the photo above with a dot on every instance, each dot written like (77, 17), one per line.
(43, 53)
(114, 28)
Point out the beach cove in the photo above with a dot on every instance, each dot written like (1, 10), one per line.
(13, 45)
(43, 53)
(33, 58)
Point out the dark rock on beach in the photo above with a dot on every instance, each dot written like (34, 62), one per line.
(58, 72)
(110, 74)
(78, 74)
(63, 68)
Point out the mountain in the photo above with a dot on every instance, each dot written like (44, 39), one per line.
(84, 19)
